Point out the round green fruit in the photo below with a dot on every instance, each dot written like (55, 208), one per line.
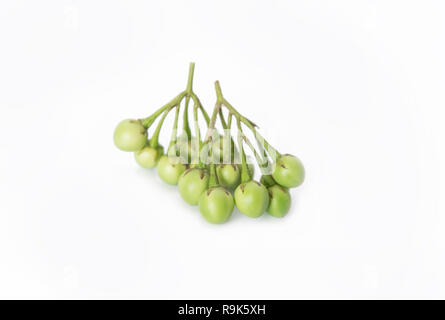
(170, 169)
(252, 198)
(148, 156)
(216, 205)
(289, 171)
(280, 201)
(192, 183)
(229, 175)
(130, 135)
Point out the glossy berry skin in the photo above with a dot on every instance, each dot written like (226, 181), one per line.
(280, 201)
(148, 156)
(192, 183)
(229, 175)
(170, 169)
(216, 205)
(130, 135)
(289, 171)
(252, 198)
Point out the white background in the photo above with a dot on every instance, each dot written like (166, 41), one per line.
(354, 88)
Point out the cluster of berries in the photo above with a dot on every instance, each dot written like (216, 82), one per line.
(214, 172)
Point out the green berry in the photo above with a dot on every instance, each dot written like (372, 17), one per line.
(130, 135)
(229, 175)
(148, 156)
(252, 198)
(192, 183)
(170, 169)
(289, 171)
(216, 205)
(280, 201)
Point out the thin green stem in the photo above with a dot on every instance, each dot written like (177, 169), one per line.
(228, 140)
(174, 136)
(203, 111)
(221, 118)
(210, 133)
(147, 122)
(251, 126)
(262, 162)
(154, 141)
(212, 123)
(213, 180)
(219, 96)
(186, 125)
(229, 120)
(243, 119)
(189, 92)
(245, 174)
(197, 134)
(189, 88)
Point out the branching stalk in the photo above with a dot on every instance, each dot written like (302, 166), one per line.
(154, 142)
(147, 122)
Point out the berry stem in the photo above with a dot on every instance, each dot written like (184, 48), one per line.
(213, 180)
(228, 140)
(245, 174)
(221, 118)
(197, 134)
(219, 96)
(229, 120)
(212, 123)
(199, 104)
(189, 92)
(154, 141)
(259, 138)
(147, 122)
(186, 125)
(262, 162)
(174, 135)
(204, 113)
(274, 153)
(189, 88)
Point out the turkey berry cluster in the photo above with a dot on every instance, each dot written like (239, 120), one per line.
(213, 172)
